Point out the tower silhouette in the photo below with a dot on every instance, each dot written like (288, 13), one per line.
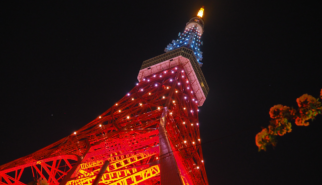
(150, 136)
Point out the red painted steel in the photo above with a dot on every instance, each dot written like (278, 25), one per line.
(127, 135)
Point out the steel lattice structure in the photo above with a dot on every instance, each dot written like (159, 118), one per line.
(150, 136)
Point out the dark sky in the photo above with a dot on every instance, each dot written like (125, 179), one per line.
(63, 63)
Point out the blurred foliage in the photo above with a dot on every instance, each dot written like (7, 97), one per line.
(40, 181)
(282, 117)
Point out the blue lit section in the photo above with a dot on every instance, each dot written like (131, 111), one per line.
(190, 38)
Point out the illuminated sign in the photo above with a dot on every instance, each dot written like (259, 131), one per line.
(92, 164)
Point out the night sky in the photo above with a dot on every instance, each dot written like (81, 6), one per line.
(64, 63)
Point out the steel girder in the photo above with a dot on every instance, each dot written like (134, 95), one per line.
(127, 135)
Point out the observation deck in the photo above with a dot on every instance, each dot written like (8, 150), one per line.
(178, 57)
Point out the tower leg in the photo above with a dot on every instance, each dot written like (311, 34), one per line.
(169, 170)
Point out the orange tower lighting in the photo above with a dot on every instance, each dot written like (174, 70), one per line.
(150, 136)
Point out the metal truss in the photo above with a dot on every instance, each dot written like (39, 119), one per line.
(126, 135)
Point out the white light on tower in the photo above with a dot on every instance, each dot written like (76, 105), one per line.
(200, 13)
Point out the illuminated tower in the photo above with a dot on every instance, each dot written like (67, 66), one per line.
(151, 136)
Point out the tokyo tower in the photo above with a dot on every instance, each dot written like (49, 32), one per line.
(150, 136)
